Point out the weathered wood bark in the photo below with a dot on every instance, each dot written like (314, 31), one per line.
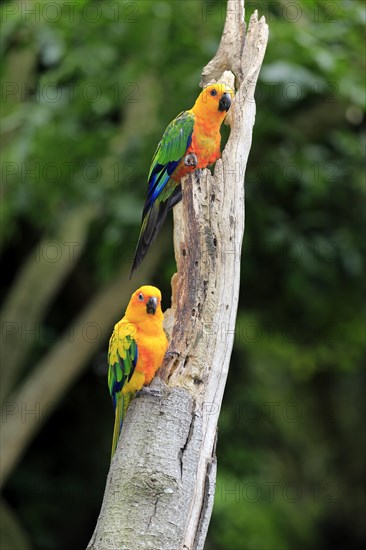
(161, 483)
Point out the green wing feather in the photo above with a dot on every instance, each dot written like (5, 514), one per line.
(172, 146)
(122, 359)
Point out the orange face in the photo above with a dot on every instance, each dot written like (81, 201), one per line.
(145, 302)
(215, 98)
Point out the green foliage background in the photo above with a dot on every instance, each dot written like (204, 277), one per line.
(94, 88)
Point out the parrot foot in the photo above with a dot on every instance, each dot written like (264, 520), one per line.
(191, 160)
(170, 354)
(145, 390)
(198, 174)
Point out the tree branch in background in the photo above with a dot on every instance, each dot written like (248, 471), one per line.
(32, 293)
(13, 536)
(62, 365)
(40, 277)
(161, 483)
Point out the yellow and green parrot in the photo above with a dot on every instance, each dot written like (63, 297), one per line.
(191, 142)
(136, 350)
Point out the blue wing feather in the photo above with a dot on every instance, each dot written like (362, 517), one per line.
(174, 143)
(158, 182)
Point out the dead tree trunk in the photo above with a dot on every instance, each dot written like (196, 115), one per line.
(161, 483)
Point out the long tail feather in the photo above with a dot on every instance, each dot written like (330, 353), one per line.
(116, 431)
(151, 225)
(120, 413)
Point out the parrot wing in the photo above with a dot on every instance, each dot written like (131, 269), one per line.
(161, 195)
(170, 151)
(122, 359)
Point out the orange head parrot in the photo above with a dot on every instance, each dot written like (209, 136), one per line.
(136, 350)
(191, 142)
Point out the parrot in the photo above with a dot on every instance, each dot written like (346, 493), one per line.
(190, 143)
(136, 350)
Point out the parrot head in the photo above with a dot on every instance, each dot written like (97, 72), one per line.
(145, 303)
(215, 98)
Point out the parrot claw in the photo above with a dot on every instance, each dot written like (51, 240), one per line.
(170, 354)
(198, 174)
(145, 390)
(191, 160)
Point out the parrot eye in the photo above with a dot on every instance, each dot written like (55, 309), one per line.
(140, 297)
(213, 92)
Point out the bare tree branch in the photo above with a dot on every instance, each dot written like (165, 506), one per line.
(160, 487)
(229, 54)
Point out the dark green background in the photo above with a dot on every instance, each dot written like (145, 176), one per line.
(291, 438)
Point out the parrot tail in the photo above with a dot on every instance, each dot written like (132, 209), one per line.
(152, 222)
(120, 413)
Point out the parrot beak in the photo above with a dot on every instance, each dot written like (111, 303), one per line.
(152, 305)
(225, 102)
